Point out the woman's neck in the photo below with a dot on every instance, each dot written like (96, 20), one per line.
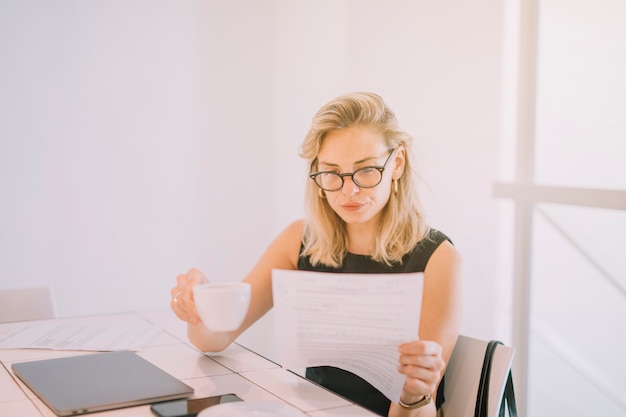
(361, 238)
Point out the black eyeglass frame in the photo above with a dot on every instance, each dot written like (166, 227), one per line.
(380, 169)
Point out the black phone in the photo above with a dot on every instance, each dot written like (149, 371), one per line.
(190, 407)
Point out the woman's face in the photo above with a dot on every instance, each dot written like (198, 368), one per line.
(346, 150)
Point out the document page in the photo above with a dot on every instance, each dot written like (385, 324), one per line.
(104, 333)
(351, 321)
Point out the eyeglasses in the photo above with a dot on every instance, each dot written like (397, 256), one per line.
(366, 177)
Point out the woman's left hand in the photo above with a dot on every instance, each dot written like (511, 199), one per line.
(422, 363)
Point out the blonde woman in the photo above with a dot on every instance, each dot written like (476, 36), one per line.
(362, 215)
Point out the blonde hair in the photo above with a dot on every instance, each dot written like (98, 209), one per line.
(402, 225)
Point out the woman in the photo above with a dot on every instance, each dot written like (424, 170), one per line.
(362, 216)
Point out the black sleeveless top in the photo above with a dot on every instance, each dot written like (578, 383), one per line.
(346, 383)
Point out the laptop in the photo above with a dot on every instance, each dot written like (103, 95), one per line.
(98, 382)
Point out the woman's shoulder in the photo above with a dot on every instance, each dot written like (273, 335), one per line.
(435, 237)
(284, 249)
(417, 259)
(291, 236)
(438, 245)
(295, 229)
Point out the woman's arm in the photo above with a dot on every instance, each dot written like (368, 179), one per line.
(282, 253)
(423, 361)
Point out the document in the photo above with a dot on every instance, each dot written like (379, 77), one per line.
(106, 333)
(351, 321)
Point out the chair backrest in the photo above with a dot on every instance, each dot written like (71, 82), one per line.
(463, 373)
(22, 304)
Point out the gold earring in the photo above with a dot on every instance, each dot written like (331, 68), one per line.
(320, 192)
(395, 186)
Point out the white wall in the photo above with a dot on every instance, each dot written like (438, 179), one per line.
(121, 125)
(140, 138)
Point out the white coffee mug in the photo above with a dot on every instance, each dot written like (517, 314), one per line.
(222, 306)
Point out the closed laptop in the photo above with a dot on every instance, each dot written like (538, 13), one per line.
(96, 382)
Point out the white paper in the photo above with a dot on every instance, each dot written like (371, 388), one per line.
(351, 321)
(106, 333)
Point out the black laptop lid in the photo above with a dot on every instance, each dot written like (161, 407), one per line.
(97, 382)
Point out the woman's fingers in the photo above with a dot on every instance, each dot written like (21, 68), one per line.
(422, 363)
(182, 296)
(421, 347)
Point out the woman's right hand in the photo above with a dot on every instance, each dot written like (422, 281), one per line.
(182, 296)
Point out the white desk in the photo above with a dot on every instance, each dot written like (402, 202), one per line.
(235, 370)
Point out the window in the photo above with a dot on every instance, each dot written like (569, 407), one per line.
(569, 191)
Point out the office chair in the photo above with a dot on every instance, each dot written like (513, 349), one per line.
(463, 378)
(23, 304)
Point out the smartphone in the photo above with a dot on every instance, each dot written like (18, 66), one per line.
(190, 407)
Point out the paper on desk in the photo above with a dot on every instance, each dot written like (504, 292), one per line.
(105, 333)
(351, 321)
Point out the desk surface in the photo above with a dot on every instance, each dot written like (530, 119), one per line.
(235, 370)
